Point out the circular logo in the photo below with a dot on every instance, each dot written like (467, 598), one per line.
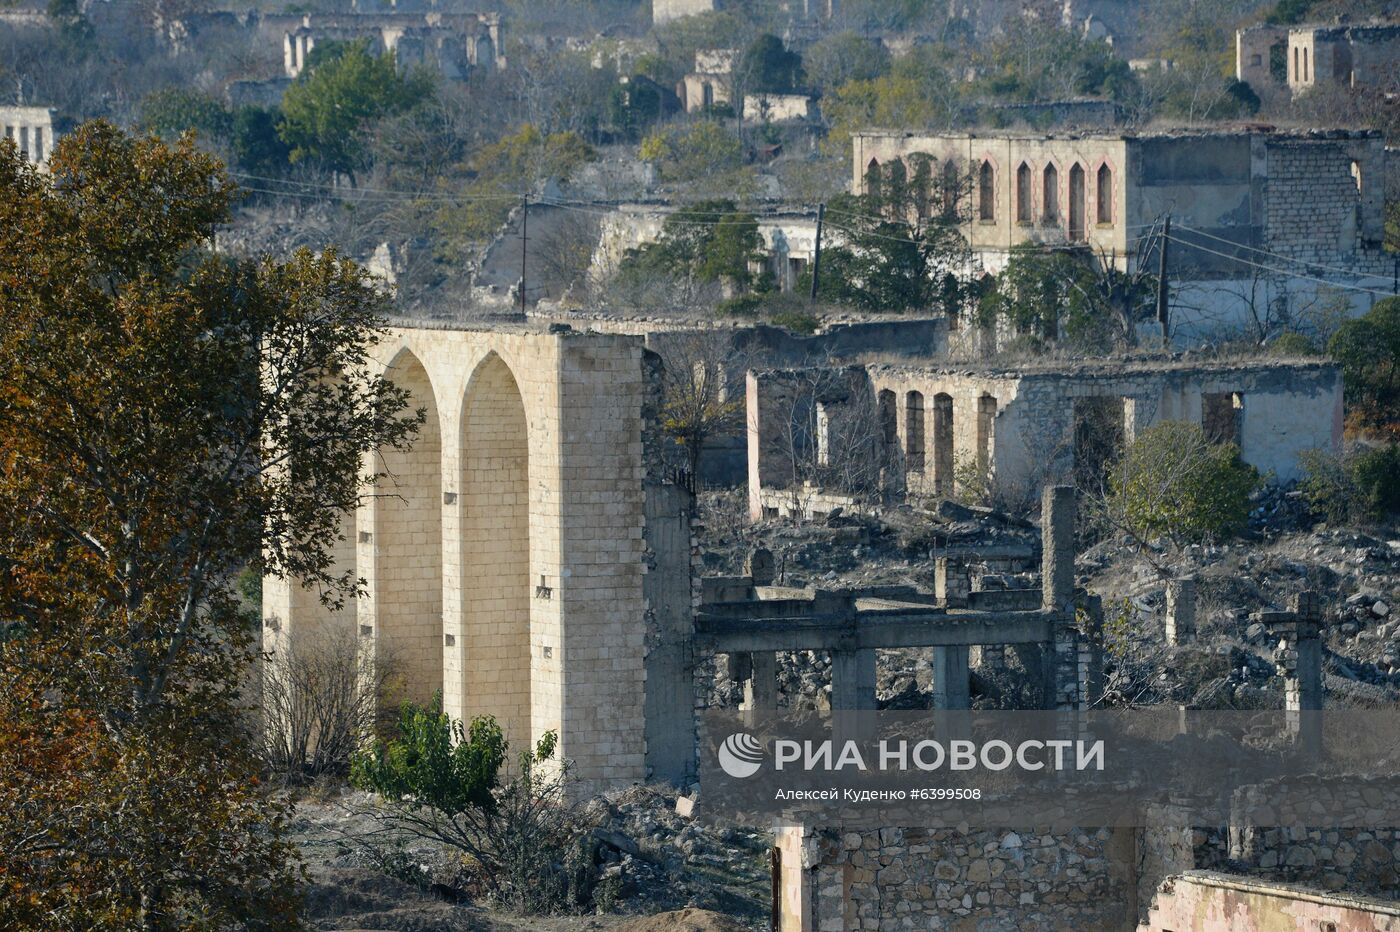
(741, 755)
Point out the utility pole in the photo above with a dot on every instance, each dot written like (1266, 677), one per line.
(817, 254)
(524, 238)
(1163, 289)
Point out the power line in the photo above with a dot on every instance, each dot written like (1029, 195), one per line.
(1275, 255)
(1278, 271)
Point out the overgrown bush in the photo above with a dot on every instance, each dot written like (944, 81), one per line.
(442, 782)
(1172, 484)
(319, 700)
(1360, 485)
(1368, 350)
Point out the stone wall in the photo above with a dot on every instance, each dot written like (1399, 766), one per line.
(1205, 901)
(945, 879)
(33, 130)
(1017, 428)
(505, 558)
(1325, 200)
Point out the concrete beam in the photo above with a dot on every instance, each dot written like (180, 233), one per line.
(871, 631)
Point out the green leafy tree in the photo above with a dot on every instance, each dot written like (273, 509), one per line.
(257, 146)
(884, 265)
(167, 418)
(840, 58)
(696, 151)
(767, 66)
(1069, 296)
(502, 173)
(1368, 350)
(1363, 484)
(329, 108)
(1173, 485)
(447, 783)
(175, 110)
(711, 241)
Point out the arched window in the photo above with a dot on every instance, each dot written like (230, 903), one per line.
(951, 184)
(1076, 203)
(896, 190)
(921, 184)
(1305, 64)
(1356, 175)
(1025, 206)
(873, 186)
(1103, 196)
(986, 192)
(1050, 195)
(1297, 71)
(914, 431)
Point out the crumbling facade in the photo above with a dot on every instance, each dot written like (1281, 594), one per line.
(452, 43)
(506, 562)
(932, 430)
(1309, 56)
(33, 130)
(1208, 901)
(710, 84)
(1313, 196)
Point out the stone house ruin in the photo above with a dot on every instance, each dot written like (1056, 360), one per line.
(789, 239)
(1258, 215)
(709, 85)
(928, 430)
(1308, 56)
(34, 130)
(452, 43)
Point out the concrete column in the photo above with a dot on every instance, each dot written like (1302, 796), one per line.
(951, 583)
(1181, 611)
(1298, 659)
(852, 680)
(1057, 547)
(951, 691)
(1057, 580)
(761, 688)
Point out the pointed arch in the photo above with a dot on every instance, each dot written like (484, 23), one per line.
(1103, 196)
(1050, 195)
(1025, 198)
(494, 507)
(407, 539)
(1077, 229)
(986, 191)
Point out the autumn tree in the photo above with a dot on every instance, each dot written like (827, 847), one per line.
(702, 390)
(1368, 350)
(167, 417)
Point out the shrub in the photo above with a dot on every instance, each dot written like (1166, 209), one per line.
(1362, 485)
(319, 700)
(1368, 350)
(442, 782)
(1173, 484)
(796, 321)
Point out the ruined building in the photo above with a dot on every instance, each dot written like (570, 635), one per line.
(1258, 215)
(34, 130)
(524, 560)
(935, 428)
(452, 43)
(1304, 57)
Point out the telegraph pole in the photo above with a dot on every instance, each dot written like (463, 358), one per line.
(524, 230)
(817, 254)
(1163, 290)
